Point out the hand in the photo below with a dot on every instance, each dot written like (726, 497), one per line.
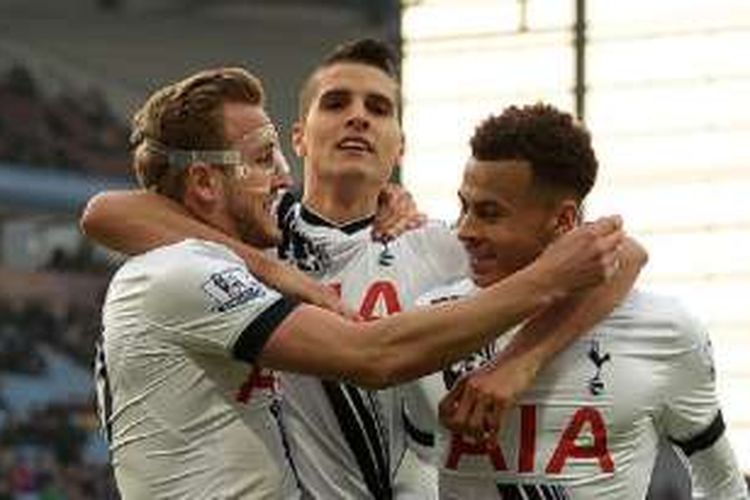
(308, 290)
(397, 213)
(479, 402)
(585, 256)
(326, 298)
(291, 281)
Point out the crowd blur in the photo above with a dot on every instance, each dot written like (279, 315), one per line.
(74, 130)
(50, 447)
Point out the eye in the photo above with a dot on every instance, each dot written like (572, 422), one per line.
(379, 105)
(265, 160)
(334, 100)
(486, 212)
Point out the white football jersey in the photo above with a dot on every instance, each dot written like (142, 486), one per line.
(186, 413)
(345, 442)
(590, 425)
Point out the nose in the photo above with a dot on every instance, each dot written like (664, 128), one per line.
(358, 116)
(467, 229)
(282, 179)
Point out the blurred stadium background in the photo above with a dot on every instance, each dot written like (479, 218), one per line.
(664, 86)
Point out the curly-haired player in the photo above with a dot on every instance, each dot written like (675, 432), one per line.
(590, 425)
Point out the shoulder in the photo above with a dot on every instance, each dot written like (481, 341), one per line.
(437, 242)
(659, 319)
(433, 229)
(453, 291)
(187, 257)
(190, 268)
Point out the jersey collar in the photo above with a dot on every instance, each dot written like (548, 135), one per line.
(349, 227)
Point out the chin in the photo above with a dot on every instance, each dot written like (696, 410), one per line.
(266, 239)
(262, 235)
(483, 280)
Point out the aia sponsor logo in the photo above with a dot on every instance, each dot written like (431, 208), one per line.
(583, 438)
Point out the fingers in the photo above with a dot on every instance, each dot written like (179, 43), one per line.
(397, 213)
(472, 411)
(328, 299)
(481, 421)
(606, 225)
(588, 255)
(337, 305)
(495, 420)
(449, 404)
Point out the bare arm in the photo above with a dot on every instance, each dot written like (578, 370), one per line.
(134, 222)
(480, 401)
(405, 346)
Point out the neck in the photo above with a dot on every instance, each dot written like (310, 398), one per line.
(341, 202)
(217, 220)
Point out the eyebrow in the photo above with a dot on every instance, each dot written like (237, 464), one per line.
(347, 91)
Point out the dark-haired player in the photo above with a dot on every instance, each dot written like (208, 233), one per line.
(590, 425)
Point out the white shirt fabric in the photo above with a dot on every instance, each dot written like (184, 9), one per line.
(186, 414)
(345, 442)
(590, 425)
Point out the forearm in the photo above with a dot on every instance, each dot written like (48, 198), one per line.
(134, 222)
(407, 345)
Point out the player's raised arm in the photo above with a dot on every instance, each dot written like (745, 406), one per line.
(408, 345)
(136, 221)
(477, 404)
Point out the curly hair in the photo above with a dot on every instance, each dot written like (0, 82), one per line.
(187, 114)
(367, 51)
(553, 142)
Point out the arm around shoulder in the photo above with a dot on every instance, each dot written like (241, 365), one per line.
(134, 221)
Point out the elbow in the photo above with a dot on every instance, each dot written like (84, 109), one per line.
(91, 216)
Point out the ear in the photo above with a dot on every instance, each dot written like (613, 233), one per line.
(401, 150)
(203, 185)
(566, 216)
(298, 138)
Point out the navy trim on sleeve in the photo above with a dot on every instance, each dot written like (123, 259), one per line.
(416, 434)
(252, 339)
(703, 440)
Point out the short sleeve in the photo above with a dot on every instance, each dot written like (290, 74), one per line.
(692, 417)
(203, 297)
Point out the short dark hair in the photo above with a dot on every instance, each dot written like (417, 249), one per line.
(556, 145)
(367, 51)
